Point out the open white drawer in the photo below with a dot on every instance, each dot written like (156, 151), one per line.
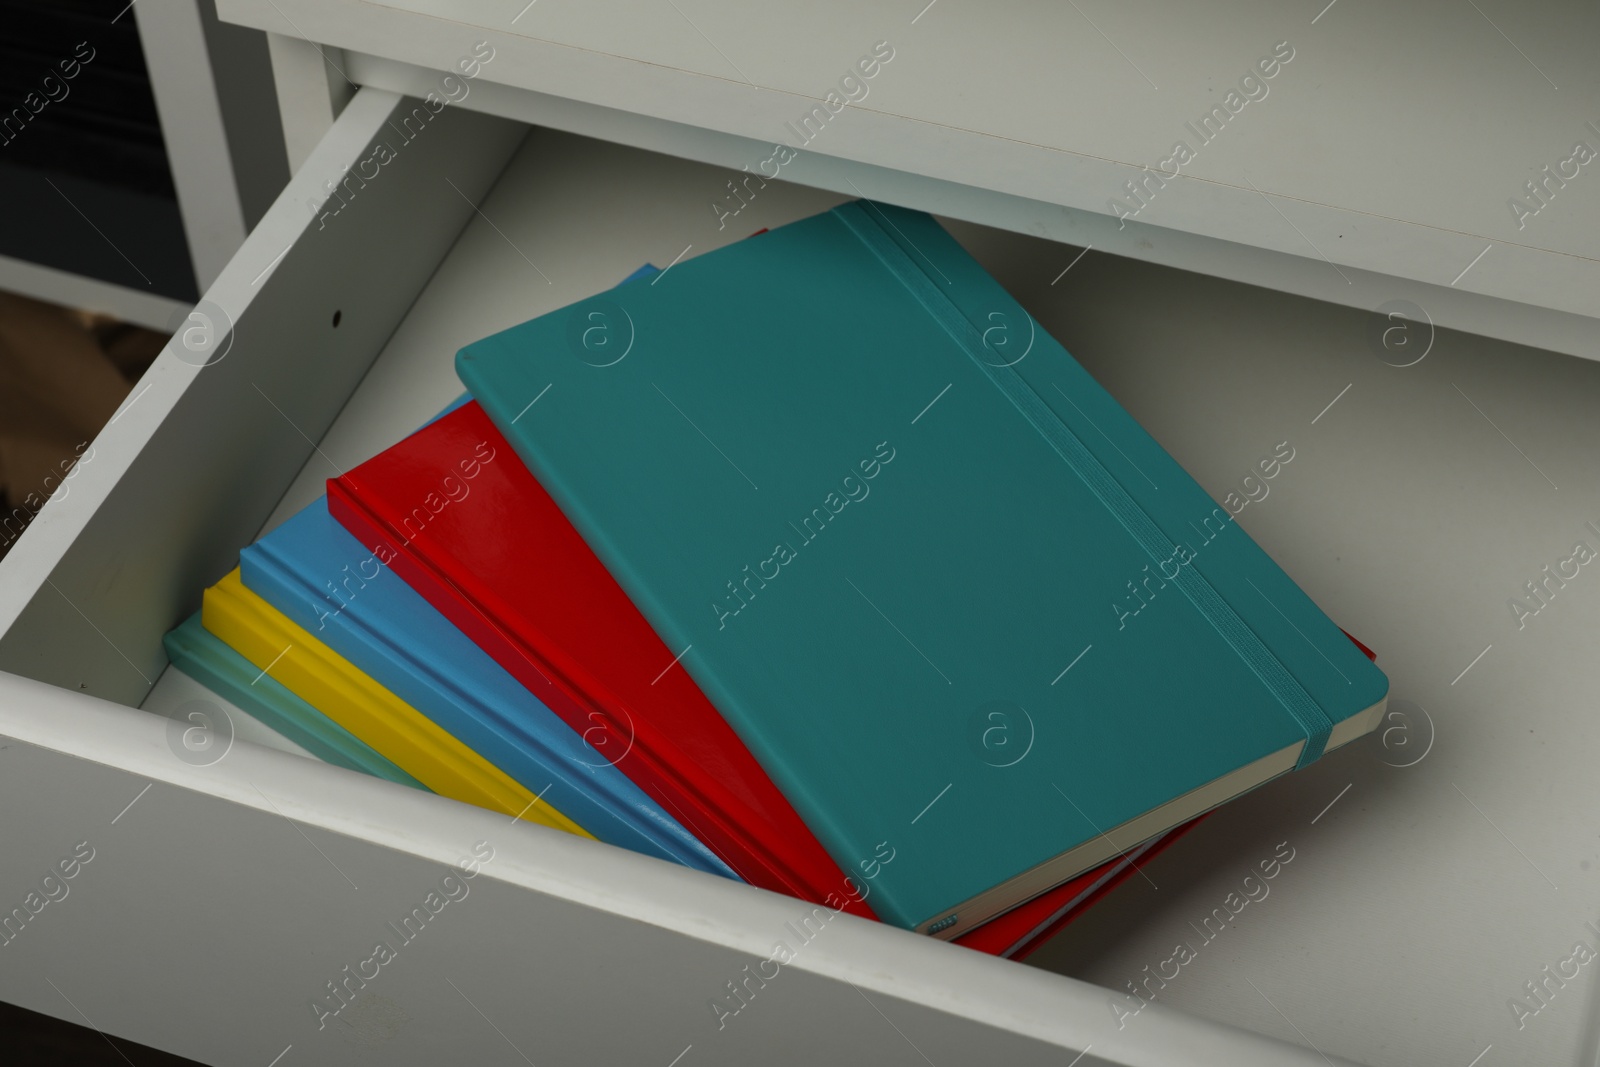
(222, 900)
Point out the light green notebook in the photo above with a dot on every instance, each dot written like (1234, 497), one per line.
(203, 656)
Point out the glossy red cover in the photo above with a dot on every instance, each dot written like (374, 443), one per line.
(1016, 933)
(1373, 656)
(452, 510)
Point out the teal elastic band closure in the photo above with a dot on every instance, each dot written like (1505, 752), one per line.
(1274, 676)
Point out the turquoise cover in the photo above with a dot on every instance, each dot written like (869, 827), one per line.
(902, 536)
(207, 659)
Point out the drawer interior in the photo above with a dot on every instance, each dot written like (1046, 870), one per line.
(1419, 499)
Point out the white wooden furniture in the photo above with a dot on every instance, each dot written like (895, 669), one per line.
(212, 84)
(1437, 869)
(1376, 165)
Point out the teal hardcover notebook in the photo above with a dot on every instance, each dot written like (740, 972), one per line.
(978, 626)
(203, 656)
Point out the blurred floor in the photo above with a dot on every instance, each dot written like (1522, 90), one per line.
(63, 373)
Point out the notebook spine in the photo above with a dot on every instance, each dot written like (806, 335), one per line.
(908, 262)
(480, 723)
(488, 718)
(729, 842)
(256, 629)
(671, 634)
(207, 659)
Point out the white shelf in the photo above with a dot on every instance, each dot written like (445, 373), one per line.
(1377, 166)
(1404, 514)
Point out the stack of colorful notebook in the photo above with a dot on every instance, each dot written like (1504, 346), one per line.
(812, 563)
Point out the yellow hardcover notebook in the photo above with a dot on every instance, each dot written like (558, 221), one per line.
(330, 683)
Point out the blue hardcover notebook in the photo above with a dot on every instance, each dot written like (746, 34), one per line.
(207, 659)
(322, 578)
(980, 628)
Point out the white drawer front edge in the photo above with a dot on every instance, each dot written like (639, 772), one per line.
(221, 901)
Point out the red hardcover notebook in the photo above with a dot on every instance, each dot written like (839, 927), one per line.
(438, 507)
(1016, 933)
(455, 513)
